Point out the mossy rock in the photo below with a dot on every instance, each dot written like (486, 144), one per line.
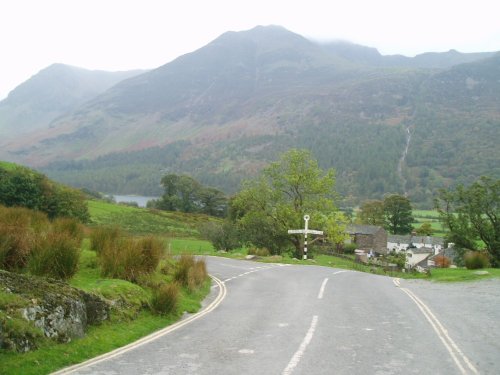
(53, 308)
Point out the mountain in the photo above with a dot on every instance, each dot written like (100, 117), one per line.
(52, 92)
(220, 113)
(430, 60)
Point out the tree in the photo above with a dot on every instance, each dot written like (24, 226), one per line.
(212, 202)
(335, 228)
(24, 187)
(223, 235)
(184, 193)
(372, 213)
(473, 214)
(398, 214)
(277, 201)
(425, 229)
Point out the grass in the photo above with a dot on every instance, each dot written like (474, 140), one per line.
(98, 340)
(129, 321)
(462, 274)
(177, 246)
(142, 221)
(8, 166)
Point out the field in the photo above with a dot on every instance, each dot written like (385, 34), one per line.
(141, 221)
(430, 216)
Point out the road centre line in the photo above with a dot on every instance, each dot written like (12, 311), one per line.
(453, 349)
(145, 340)
(302, 348)
(322, 289)
(336, 273)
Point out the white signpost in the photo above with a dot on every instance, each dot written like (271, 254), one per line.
(306, 231)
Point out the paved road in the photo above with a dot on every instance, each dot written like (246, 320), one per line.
(278, 319)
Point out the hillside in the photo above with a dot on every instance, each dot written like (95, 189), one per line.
(222, 112)
(52, 92)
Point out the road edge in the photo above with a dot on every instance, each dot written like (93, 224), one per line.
(153, 336)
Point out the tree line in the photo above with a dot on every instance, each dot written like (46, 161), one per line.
(23, 187)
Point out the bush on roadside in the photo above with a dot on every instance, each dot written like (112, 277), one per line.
(442, 262)
(165, 298)
(197, 274)
(56, 255)
(190, 272)
(223, 236)
(152, 249)
(476, 259)
(182, 267)
(261, 252)
(129, 259)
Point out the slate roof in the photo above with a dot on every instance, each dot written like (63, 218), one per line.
(408, 238)
(362, 229)
(397, 238)
(420, 250)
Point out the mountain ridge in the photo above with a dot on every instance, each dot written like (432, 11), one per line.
(229, 107)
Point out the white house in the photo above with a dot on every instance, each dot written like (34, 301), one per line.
(417, 248)
(400, 243)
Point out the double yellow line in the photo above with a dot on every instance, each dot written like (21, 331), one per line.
(165, 331)
(463, 363)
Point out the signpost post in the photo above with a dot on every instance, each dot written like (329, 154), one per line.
(306, 230)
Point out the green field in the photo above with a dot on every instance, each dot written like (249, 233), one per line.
(143, 221)
(429, 216)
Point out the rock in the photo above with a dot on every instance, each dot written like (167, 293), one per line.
(250, 257)
(60, 311)
(480, 273)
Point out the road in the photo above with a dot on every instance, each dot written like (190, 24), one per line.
(285, 319)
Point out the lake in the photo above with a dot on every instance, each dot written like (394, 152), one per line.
(139, 199)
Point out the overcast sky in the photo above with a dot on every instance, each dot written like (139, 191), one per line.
(142, 34)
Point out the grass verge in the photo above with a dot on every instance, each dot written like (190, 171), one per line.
(98, 340)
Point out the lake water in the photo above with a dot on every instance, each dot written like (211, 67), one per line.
(139, 199)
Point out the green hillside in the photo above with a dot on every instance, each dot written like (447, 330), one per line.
(224, 111)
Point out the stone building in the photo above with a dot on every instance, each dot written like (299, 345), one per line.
(368, 237)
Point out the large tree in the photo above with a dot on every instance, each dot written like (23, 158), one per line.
(277, 201)
(473, 214)
(398, 214)
(183, 193)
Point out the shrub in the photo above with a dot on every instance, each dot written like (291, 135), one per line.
(71, 227)
(103, 237)
(183, 265)
(263, 252)
(165, 298)
(476, 259)
(55, 256)
(190, 272)
(197, 274)
(349, 248)
(151, 252)
(127, 259)
(121, 259)
(442, 262)
(18, 230)
(223, 236)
